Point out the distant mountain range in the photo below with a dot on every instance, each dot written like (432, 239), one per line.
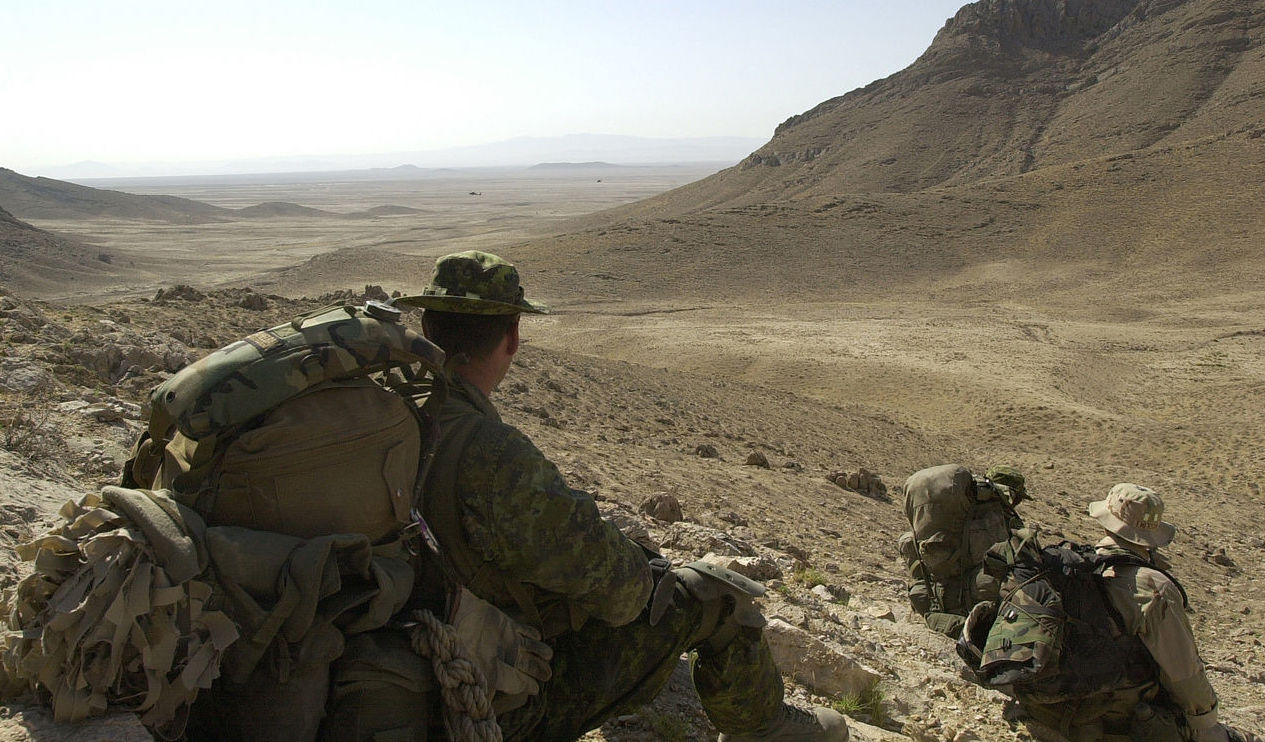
(518, 152)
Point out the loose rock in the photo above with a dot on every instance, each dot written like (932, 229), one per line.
(663, 506)
(756, 458)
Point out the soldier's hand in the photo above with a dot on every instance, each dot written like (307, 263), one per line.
(510, 654)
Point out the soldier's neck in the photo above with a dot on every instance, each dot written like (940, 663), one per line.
(1129, 546)
(479, 376)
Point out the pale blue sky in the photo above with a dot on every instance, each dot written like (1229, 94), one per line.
(146, 80)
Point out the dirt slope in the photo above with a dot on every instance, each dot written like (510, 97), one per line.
(42, 261)
(45, 198)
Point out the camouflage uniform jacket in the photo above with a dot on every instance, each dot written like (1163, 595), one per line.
(516, 535)
(1153, 609)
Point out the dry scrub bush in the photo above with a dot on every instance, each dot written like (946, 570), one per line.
(26, 430)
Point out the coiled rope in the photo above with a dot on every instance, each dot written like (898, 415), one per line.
(468, 714)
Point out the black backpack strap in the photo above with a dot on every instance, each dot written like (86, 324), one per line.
(1104, 561)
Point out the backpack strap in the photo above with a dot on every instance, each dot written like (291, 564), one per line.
(1116, 558)
(458, 561)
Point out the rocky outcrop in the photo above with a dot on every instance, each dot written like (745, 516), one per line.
(862, 482)
(1051, 25)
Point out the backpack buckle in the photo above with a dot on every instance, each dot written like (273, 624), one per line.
(418, 530)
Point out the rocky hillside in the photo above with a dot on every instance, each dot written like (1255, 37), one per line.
(1065, 151)
(1011, 86)
(74, 381)
(697, 464)
(46, 198)
(43, 261)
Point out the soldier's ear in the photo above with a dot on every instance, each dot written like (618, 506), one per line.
(512, 340)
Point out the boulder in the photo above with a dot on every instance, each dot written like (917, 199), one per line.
(699, 540)
(832, 593)
(821, 666)
(756, 458)
(663, 506)
(758, 568)
(862, 482)
(19, 375)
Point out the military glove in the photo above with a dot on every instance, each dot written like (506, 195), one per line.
(510, 654)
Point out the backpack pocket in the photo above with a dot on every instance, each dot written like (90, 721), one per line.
(1026, 638)
(342, 459)
(941, 555)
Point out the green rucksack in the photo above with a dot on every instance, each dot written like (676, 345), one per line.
(1054, 635)
(298, 395)
(955, 517)
(291, 462)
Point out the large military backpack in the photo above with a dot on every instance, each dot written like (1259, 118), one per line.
(955, 517)
(308, 428)
(277, 485)
(1055, 634)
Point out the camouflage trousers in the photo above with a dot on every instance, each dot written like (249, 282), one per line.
(384, 693)
(1129, 717)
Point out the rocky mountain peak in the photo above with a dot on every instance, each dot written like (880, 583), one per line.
(1051, 25)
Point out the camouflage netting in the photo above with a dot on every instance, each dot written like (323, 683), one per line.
(112, 615)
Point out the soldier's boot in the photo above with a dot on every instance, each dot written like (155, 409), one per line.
(1238, 735)
(737, 681)
(798, 725)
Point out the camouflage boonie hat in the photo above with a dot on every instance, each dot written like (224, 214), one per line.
(473, 282)
(1134, 513)
(1010, 478)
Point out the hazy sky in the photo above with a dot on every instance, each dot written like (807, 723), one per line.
(143, 80)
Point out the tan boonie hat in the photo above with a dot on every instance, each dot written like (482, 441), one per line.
(473, 282)
(1134, 513)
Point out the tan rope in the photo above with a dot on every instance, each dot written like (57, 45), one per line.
(468, 714)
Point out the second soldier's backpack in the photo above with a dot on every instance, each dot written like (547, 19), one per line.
(955, 517)
(1054, 635)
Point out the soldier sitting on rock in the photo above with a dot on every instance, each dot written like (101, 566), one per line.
(1169, 698)
(603, 624)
